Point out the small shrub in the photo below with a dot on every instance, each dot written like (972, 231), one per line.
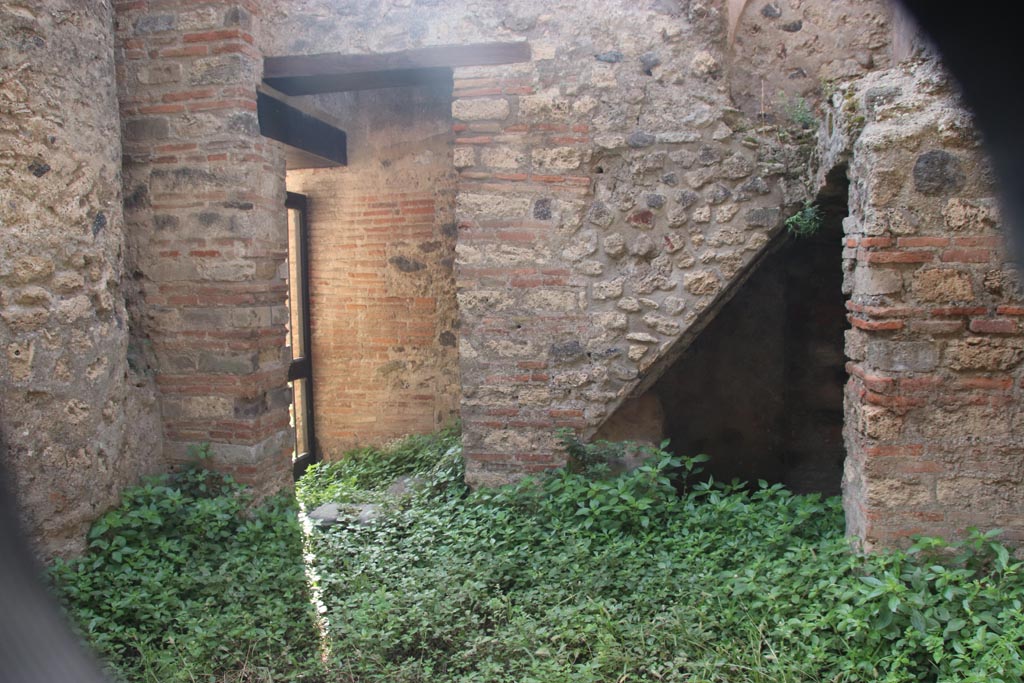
(574, 575)
(582, 575)
(805, 222)
(798, 111)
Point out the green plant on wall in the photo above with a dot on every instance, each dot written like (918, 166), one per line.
(806, 221)
(798, 111)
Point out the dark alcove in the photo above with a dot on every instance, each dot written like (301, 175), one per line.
(761, 388)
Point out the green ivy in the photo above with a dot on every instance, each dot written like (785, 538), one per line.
(362, 475)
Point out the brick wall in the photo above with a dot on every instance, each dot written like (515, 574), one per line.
(935, 346)
(204, 205)
(382, 245)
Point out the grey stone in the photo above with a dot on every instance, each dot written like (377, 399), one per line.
(406, 485)
(718, 193)
(250, 407)
(39, 168)
(155, 23)
(755, 185)
(326, 514)
(762, 217)
(366, 514)
(736, 166)
(938, 172)
(520, 24)
(655, 201)
(672, 8)
(406, 265)
(210, 361)
(600, 214)
(881, 95)
(137, 198)
(792, 26)
(687, 198)
(640, 139)
(98, 223)
(152, 128)
(244, 123)
(771, 11)
(236, 16)
(708, 155)
(542, 209)
(903, 356)
(649, 60)
(566, 351)
(610, 57)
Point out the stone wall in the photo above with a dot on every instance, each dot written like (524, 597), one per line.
(609, 195)
(204, 206)
(382, 247)
(933, 402)
(78, 420)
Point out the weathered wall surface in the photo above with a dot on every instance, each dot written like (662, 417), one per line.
(382, 289)
(78, 422)
(609, 195)
(787, 52)
(204, 206)
(933, 429)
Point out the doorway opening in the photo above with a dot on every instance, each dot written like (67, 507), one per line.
(761, 388)
(300, 368)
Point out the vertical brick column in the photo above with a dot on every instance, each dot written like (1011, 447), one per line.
(933, 423)
(204, 207)
(520, 158)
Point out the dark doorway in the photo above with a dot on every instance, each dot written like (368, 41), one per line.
(300, 370)
(761, 389)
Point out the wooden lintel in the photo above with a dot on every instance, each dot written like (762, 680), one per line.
(369, 80)
(286, 123)
(309, 74)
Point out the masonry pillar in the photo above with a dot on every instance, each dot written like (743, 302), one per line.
(77, 422)
(204, 197)
(933, 419)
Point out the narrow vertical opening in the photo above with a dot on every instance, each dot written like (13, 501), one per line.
(300, 371)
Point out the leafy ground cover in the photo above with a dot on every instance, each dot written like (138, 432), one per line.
(576, 575)
(186, 582)
(581, 576)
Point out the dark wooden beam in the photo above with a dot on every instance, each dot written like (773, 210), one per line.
(310, 74)
(313, 136)
(369, 80)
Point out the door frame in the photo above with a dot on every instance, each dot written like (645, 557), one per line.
(301, 367)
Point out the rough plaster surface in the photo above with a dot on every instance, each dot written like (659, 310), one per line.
(382, 247)
(78, 422)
